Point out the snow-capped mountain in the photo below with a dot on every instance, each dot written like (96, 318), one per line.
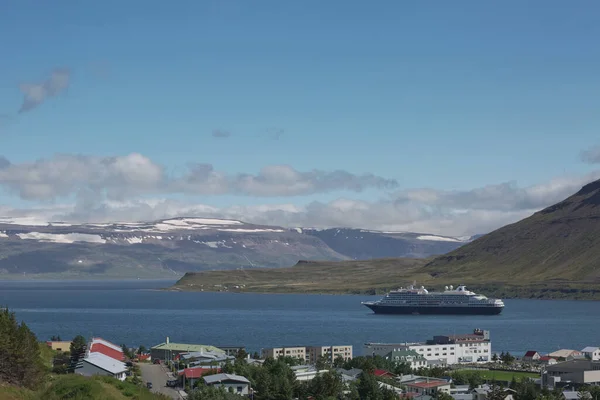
(171, 247)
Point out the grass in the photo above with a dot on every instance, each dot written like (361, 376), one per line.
(77, 387)
(503, 376)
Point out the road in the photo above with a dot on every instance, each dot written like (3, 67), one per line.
(157, 374)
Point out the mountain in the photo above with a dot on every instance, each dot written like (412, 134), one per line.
(360, 244)
(558, 243)
(171, 247)
(162, 248)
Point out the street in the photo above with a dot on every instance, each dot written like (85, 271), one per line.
(157, 375)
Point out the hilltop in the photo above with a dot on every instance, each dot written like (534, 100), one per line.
(552, 254)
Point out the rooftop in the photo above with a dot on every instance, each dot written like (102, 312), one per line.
(427, 384)
(589, 349)
(225, 377)
(106, 363)
(187, 347)
(197, 372)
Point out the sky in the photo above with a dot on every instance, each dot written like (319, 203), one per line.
(440, 117)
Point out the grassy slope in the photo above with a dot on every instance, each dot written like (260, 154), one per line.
(77, 387)
(310, 277)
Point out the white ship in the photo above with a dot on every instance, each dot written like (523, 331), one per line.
(413, 300)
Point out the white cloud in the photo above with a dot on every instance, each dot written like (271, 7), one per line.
(124, 177)
(422, 210)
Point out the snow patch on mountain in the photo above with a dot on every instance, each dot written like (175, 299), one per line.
(61, 237)
(438, 238)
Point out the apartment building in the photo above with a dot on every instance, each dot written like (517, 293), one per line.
(447, 349)
(292, 351)
(329, 353)
(309, 354)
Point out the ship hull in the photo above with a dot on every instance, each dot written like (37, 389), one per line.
(380, 309)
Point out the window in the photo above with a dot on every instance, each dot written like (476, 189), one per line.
(239, 389)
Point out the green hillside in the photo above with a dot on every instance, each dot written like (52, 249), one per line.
(558, 244)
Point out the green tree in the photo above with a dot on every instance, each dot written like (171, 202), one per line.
(55, 339)
(323, 386)
(439, 395)
(495, 357)
(142, 349)
(322, 363)
(77, 350)
(526, 389)
(241, 354)
(20, 359)
(368, 387)
(204, 392)
(339, 362)
(496, 392)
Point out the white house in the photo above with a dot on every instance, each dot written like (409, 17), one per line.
(593, 353)
(449, 349)
(100, 364)
(239, 384)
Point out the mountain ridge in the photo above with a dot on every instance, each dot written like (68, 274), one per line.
(170, 247)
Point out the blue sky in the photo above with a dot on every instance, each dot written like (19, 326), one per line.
(442, 95)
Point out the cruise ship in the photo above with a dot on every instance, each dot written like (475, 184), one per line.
(412, 300)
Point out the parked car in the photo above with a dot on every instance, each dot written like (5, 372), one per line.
(156, 361)
(172, 383)
(149, 385)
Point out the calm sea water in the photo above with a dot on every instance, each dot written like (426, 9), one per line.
(132, 312)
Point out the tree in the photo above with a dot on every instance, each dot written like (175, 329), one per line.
(439, 395)
(77, 350)
(496, 392)
(241, 354)
(322, 363)
(495, 357)
(339, 362)
(20, 359)
(368, 387)
(142, 349)
(55, 339)
(204, 392)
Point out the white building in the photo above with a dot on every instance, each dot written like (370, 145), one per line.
(100, 364)
(450, 349)
(592, 353)
(239, 384)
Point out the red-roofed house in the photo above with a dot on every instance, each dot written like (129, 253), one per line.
(195, 373)
(531, 355)
(428, 386)
(382, 373)
(99, 345)
(547, 360)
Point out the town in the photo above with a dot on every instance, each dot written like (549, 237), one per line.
(457, 366)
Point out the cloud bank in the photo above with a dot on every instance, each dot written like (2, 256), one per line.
(121, 181)
(123, 177)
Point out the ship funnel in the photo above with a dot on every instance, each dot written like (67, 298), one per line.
(446, 288)
(451, 287)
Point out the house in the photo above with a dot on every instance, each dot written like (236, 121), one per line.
(578, 372)
(482, 392)
(204, 358)
(306, 372)
(566, 354)
(382, 373)
(193, 374)
(99, 345)
(239, 384)
(410, 357)
(349, 375)
(289, 351)
(591, 353)
(428, 386)
(546, 360)
(531, 355)
(100, 364)
(169, 350)
(474, 347)
(59, 345)
(232, 350)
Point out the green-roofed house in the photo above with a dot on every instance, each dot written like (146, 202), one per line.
(169, 350)
(410, 357)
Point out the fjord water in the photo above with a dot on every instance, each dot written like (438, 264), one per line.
(134, 313)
